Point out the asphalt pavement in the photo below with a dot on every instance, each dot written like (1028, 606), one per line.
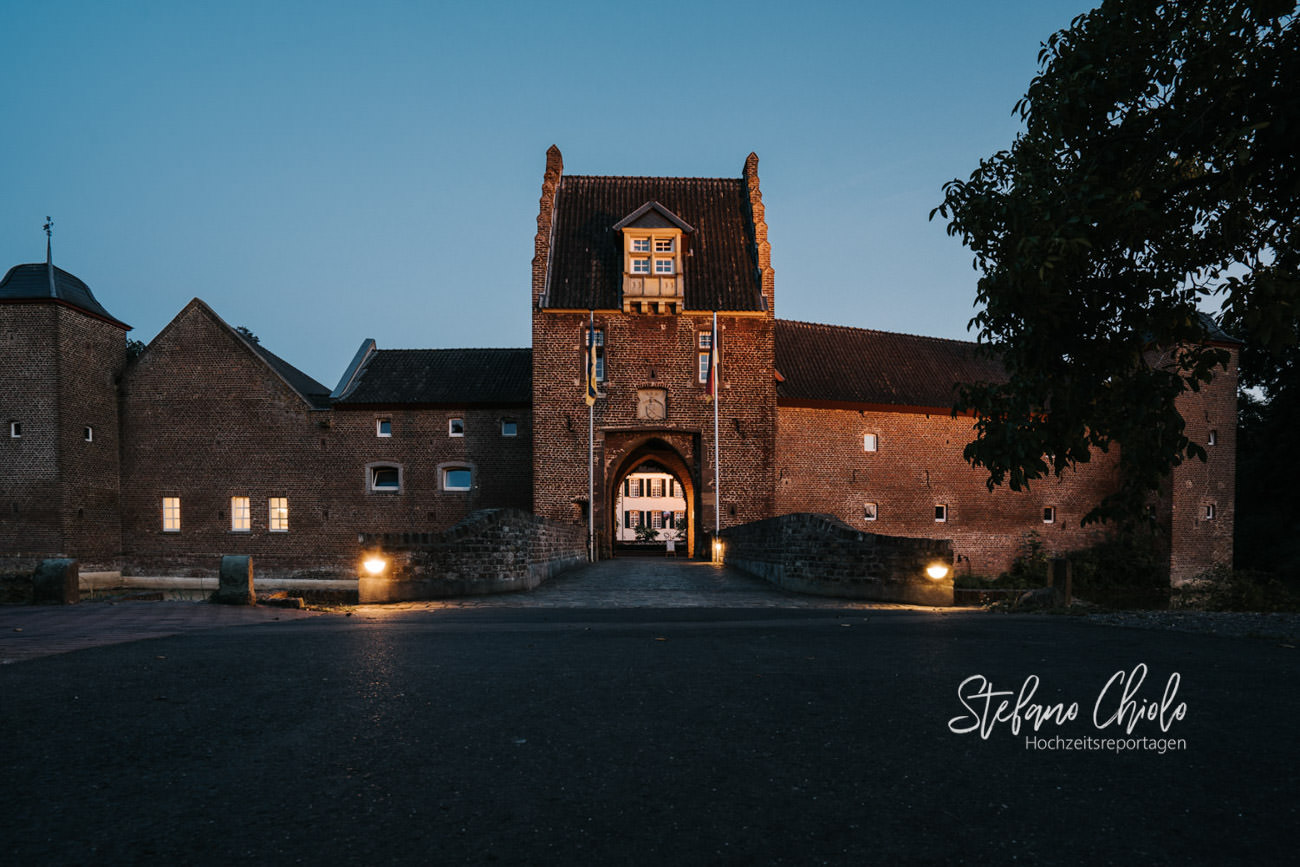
(684, 734)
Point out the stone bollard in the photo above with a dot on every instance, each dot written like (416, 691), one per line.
(56, 582)
(236, 586)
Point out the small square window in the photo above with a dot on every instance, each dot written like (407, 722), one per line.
(869, 512)
(455, 427)
(940, 513)
(1209, 511)
(509, 427)
(663, 245)
(1213, 438)
(16, 429)
(278, 507)
(1049, 514)
(171, 514)
(869, 442)
(706, 340)
(457, 479)
(663, 266)
(640, 266)
(640, 245)
(383, 427)
(88, 433)
(240, 515)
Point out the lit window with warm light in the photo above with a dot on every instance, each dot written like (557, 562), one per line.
(278, 508)
(171, 514)
(241, 519)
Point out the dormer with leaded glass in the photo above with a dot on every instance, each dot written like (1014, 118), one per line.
(655, 249)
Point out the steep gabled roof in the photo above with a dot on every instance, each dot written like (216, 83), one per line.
(317, 396)
(720, 270)
(835, 364)
(45, 282)
(460, 377)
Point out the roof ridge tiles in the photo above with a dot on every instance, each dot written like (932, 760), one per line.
(878, 331)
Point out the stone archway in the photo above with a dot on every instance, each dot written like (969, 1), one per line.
(651, 450)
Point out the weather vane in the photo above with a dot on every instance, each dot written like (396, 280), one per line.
(49, 227)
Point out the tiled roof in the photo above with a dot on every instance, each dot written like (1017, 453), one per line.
(853, 365)
(312, 391)
(586, 266)
(33, 283)
(444, 376)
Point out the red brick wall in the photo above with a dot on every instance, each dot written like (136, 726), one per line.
(58, 376)
(204, 419)
(31, 507)
(420, 444)
(92, 355)
(821, 467)
(1198, 542)
(653, 351)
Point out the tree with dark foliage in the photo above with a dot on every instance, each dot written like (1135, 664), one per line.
(1158, 166)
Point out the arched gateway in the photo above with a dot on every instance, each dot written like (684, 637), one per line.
(625, 454)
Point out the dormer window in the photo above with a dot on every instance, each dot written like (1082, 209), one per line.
(654, 244)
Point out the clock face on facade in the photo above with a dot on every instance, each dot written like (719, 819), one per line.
(651, 404)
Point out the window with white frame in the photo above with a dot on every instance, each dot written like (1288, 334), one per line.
(455, 427)
(657, 519)
(16, 429)
(1049, 514)
(640, 264)
(634, 487)
(384, 478)
(88, 434)
(171, 514)
(509, 427)
(631, 519)
(869, 512)
(1213, 438)
(1210, 511)
(457, 478)
(383, 427)
(656, 487)
(241, 518)
(679, 519)
(640, 245)
(869, 442)
(663, 265)
(940, 513)
(278, 514)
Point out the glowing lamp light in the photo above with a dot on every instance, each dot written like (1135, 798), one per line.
(937, 571)
(717, 550)
(375, 565)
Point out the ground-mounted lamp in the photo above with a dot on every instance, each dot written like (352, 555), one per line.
(374, 564)
(938, 571)
(717, 551)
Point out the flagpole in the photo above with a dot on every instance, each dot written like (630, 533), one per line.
(591, 440)
(717, 394)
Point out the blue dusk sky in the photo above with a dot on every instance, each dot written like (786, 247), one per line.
(323, 172)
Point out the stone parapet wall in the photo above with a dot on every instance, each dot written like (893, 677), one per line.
(823, 556)
(490, 551)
